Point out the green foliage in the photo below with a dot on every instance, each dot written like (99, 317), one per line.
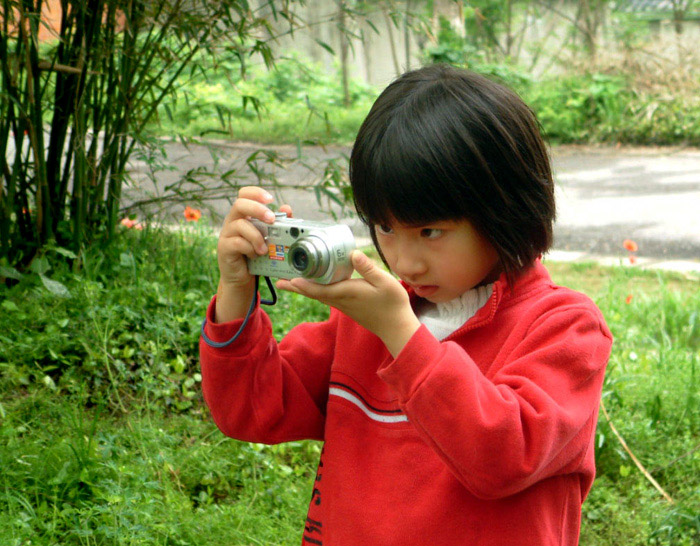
(591, 107)
(628, 103)
(103, 435)
(451, 48)
(295, 101)
(575, 108)
(594, 107)
(487, 32)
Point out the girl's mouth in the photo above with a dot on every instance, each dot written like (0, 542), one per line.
(424, 290)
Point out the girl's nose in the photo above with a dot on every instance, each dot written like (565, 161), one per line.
(408, 263)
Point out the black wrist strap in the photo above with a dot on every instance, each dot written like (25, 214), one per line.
(270, 287)
(220, 344)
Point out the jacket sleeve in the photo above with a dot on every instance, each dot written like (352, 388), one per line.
(260, 391)
(532, 417)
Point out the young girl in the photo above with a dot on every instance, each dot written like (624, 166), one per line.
(457, 403)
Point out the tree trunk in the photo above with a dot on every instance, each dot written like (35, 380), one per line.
(366, 46)
(392, 45)
(407, 35)
(343, 53)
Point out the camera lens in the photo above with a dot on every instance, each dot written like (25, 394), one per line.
(300, 259)
(309, 256)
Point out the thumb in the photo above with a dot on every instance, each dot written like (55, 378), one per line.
(366, 267)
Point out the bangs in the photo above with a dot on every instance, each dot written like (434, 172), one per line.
(401, 175)
(392, 190)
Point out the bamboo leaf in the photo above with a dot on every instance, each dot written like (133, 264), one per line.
(372, 26)
(273, 9)
(332, 196)
(325, 46)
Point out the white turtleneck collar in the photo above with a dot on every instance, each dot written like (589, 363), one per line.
(444, 318)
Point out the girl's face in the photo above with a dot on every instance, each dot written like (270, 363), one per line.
(441, 260)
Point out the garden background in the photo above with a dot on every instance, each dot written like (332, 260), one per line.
(107, 272)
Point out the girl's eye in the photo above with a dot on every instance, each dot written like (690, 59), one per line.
(430, 233)
(384, 230)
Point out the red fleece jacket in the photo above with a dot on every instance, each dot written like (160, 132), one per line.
(484, 438)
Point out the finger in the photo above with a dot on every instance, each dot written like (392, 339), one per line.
(248, 208)
(246, 230)
(367, 268)
(284, 284)
(255, 193)
(286, 209)
(331, 294)
(288, 286)
(305, 288)
(230, 247)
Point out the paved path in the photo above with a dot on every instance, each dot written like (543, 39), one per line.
(649, 195)
(604, 194)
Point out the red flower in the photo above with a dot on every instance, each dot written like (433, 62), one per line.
(633, 259)
(628, 299)
(128, 223)
(192, 215)
(630, 245)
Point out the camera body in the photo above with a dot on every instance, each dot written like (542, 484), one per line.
(317, 251)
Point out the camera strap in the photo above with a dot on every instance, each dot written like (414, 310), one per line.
(270, 286)
(220, 344)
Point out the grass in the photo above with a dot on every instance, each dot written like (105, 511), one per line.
(104, 437)
(77, 476)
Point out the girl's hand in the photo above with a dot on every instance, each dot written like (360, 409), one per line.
(239, 239)
(377, 301)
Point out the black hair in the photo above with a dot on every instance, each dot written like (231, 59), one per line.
(442, 143)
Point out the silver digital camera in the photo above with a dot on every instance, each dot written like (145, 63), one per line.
(317, 251)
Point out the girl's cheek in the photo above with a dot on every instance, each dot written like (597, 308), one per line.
(388, 252)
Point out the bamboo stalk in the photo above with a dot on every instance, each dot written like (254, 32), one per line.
(49, 66)
(392, 45)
